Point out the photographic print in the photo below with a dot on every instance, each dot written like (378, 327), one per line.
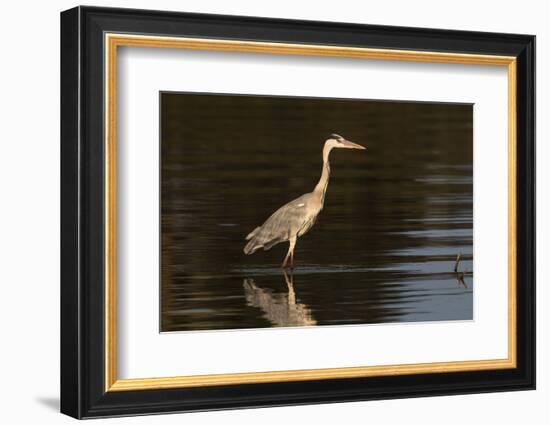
(302, 211)
(257, 184)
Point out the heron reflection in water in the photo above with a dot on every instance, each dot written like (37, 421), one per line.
(294, 219)
(280, 309)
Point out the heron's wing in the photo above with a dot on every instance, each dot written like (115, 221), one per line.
(280, 226)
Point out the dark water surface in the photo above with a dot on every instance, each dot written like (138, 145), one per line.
(384, 247)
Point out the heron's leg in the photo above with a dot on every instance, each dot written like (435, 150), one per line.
(292, 242)
(291, 249)
(285, 261)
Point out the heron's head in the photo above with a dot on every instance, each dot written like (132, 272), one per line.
(337, 141)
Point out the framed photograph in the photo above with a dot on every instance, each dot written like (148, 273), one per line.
(261, 212)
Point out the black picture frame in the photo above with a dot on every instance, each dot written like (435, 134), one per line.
(83, 392)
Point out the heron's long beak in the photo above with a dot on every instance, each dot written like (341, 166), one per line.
(351, 145)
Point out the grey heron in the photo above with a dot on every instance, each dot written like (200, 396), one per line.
(294, 219)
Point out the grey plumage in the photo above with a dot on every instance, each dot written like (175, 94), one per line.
(294, 218)
(298, 216)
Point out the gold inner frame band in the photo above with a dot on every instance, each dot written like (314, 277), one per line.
(113, 41)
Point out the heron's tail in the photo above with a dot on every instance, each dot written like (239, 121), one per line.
(252, 246)
(259, 238)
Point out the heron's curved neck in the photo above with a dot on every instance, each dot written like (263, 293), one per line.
(321, 187)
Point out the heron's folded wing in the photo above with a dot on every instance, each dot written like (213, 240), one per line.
(280, 226)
